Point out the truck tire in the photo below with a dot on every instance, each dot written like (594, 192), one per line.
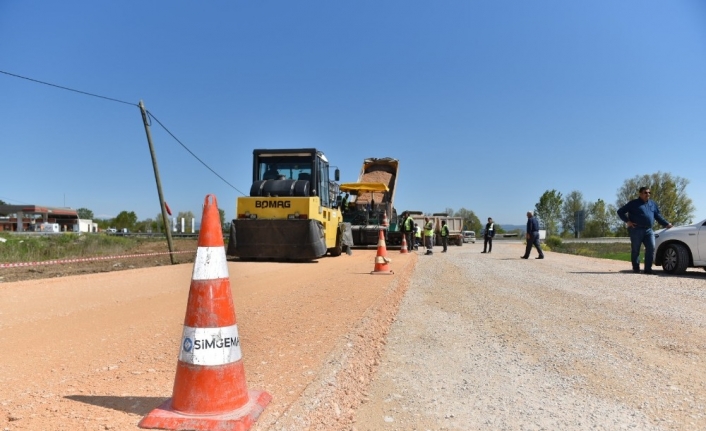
(676, 259)
(338, 249)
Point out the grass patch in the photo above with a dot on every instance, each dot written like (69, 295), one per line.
(614, 251)
(31, 248)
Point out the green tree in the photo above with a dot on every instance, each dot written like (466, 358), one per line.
(125, 220)
(222, 216)
(470, 219)
(103, 223)
(572, 204)
(668, 191)
(158, 223)
(186, 215)
(548, 211)
(2, 202)
(598, 220)
(85, 214)
(146, 225)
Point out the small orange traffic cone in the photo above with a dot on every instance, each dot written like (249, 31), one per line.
(404, 250)
(382, 266)
(209, 388)
(384, 219)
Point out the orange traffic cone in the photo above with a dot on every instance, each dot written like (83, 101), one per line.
(384, 219)
(382, 266)
(209, 388)
(404, 250)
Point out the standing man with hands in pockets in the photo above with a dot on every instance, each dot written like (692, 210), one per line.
(488, 235)
(639, 215)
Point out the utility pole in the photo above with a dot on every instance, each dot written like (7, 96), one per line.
(165, 220)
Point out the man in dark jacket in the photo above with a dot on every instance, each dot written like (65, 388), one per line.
(532, 236)
(639, 215)
(488, 236)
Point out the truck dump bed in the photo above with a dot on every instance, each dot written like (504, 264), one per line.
(366, 215)
(455, 225)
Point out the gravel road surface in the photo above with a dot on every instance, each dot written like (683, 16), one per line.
(494, 342)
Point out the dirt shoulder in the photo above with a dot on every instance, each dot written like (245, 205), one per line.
(98, 351)
(145, 254)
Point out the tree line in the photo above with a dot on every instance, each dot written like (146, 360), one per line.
(573, 216)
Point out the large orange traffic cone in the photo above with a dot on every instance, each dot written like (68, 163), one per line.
(404, 250)
(384, 219)
(382, 266)
(209, 388)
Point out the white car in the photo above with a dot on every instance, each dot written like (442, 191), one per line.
(469, 236)
(681, 247)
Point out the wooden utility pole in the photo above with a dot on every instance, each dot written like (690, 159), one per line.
(165, 220)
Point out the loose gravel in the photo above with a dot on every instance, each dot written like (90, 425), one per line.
(494, 342)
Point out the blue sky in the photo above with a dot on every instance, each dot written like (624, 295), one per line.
(487, 104)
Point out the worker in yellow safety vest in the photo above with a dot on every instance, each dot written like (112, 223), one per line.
(444, 236)
(428, 235)
(408, 230)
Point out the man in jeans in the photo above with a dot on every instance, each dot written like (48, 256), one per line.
(639, 215)
(532, 236)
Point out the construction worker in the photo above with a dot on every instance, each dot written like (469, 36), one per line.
(344, 202)
(417, 236)
(408, 230)
(428, 235)
(444, 235)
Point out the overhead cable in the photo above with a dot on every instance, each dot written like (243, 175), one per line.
(127, 103)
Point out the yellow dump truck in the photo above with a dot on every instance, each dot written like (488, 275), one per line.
(373, 197)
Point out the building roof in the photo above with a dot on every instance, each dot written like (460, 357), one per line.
(35, 209)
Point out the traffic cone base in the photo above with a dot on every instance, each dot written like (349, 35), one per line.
(165, 417)
(382, 266)
(404, 250)
(210, 392)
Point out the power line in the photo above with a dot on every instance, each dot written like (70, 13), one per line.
(127, 103)
(67, 88)
(190, 152)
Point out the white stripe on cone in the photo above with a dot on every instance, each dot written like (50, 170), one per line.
(210, 263)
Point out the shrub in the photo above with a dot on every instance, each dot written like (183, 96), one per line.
(553, 241)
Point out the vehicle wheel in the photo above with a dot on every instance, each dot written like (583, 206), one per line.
(338, 249)
(676, 259)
